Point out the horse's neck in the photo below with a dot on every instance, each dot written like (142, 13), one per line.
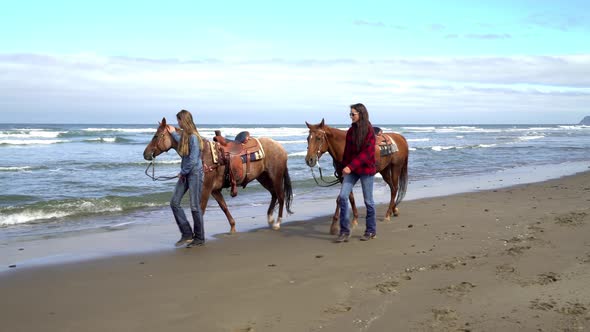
(173, 143)
(336, 141)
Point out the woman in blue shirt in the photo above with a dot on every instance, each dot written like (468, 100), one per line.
(190, 178)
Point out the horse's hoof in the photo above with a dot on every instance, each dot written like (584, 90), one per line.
(334, 231)
(276, 227)
(386, 218)
(395, 212)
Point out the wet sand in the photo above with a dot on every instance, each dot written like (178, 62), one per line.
(514, 259)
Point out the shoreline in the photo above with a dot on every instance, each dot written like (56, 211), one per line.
(515, 258)
(156, 232)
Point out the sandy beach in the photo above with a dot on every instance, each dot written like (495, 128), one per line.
(513, 259)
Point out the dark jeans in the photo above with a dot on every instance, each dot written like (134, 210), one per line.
(193, 183)
(367, 185)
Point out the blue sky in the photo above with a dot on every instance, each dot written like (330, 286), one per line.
(272, 62)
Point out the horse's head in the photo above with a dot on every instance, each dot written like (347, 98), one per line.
(317, 143)
(161, 142)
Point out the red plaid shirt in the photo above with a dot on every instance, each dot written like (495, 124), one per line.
(360, 162)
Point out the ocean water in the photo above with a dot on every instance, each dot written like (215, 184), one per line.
(66, 179)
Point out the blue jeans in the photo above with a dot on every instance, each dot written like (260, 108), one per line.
(367, 184)
(193, 183)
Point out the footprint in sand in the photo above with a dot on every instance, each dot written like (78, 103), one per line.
(444, 314)
(547, 278)
(542, 279)
(574, 309)
(536, 228)
(451, 265)
(572, 219)
(248, 328)
(570, 308)
(505, 271)
(337, 309)
(521, 238)
(456, 290)
(517, 250)
(387, 287)
(445, 319)
(537, 304)
(585, 259)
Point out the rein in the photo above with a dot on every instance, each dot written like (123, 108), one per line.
(152, 164)
(322, 182)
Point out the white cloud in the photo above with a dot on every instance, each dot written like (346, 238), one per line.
(419, 87)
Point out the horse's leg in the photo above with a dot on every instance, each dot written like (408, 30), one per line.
(386, 175)
(221, 201)
(267, 183)
(390, 178)
(355, 212)
(270, 212)
(396, 170)
(204, 200)
(279, 194)
(335, 227)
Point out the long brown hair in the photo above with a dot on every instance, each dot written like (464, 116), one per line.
(185, 121)
(363, 125)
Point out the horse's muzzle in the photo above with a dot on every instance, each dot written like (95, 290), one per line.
(311, 161)
(148, 155)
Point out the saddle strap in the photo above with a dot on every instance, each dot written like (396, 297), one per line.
(258, 155)
(394, 147)
(245, 180)
(214, 153)
(262, 154)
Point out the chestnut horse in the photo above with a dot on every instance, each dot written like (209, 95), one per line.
(393, 168)
(271, 172)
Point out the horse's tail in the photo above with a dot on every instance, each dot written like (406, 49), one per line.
(288, 190)
(402, 184)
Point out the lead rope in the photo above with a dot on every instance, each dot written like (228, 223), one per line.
(323, 183)
(152, 164)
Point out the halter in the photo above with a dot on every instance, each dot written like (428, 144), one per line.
(322, 182)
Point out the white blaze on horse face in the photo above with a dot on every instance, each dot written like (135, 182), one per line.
(319, 147)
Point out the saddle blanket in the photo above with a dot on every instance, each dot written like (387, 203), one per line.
(254, 156)
(387, 146)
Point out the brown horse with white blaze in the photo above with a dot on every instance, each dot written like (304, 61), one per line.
(393, 167)
(271, 172)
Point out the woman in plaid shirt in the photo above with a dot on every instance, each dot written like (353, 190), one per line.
(359, 164)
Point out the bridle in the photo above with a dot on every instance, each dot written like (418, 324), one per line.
(322, 182)
(152, 163)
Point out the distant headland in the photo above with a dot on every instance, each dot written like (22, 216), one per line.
(585, 121)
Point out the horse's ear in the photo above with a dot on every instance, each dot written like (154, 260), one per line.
(163, 123)
(308, 125)
(322, 123)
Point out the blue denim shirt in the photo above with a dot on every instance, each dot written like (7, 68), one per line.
(192, 162)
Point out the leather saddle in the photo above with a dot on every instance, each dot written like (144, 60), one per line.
(384, 144)
(235, 154)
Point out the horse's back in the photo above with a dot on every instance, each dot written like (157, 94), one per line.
(272, 148)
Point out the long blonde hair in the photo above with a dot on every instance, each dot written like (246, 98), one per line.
(185, 121)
